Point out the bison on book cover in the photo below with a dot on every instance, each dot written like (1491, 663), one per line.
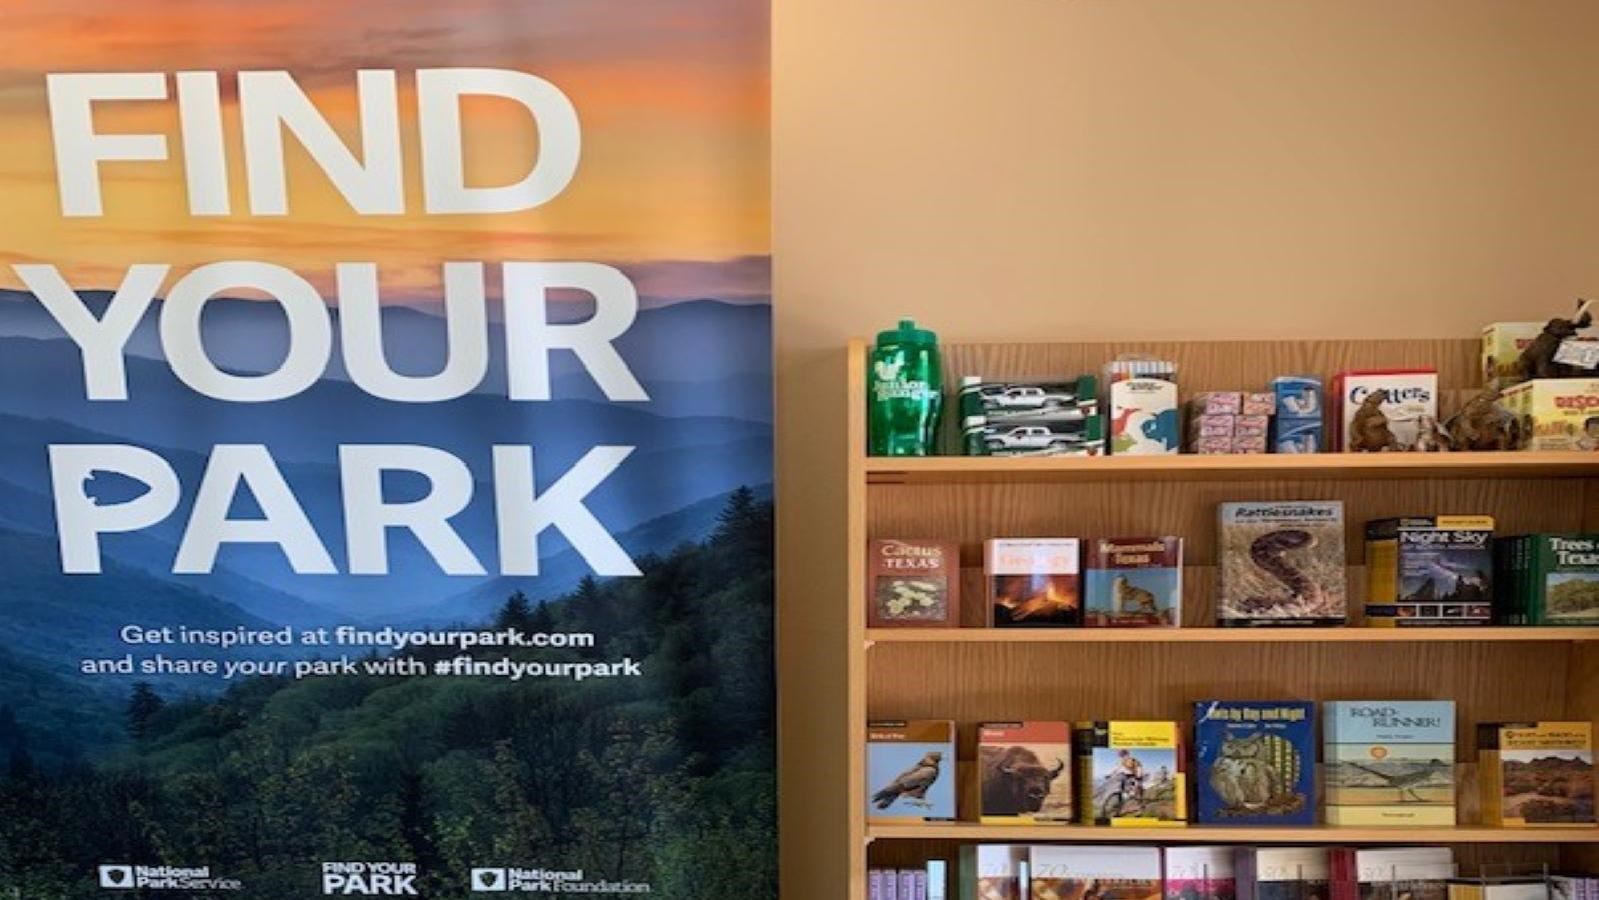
(385, 450)
(1025, 771)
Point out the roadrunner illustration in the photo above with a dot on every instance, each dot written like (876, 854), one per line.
(1406, 783)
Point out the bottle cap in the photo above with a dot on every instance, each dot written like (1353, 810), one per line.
(906, 333)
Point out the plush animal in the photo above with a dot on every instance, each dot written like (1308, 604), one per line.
(1369, 432)
(1482, 424)
(1538, 360)
(1429, 437)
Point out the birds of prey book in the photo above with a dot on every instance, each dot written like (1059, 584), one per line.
(1025, 772)
(993, 872)
(1133, 582)
(1130, 774)
(1389, 762)
(1535, 774)
(1281, 563)
(1087, 873)
(1034, 582)
(1200, 873)
(1282, 873)
(1256, 762)
(910, 770)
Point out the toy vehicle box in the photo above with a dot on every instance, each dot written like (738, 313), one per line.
(1555, 413)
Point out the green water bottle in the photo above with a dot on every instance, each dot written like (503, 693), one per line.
(904, 392)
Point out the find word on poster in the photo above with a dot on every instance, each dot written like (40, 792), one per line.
(271, 104)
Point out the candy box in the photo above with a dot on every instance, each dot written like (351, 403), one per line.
(1258, 404)
(1297, 397)
(1217, 403)
(1251, 426)
(1296, 435)
(1408, 407)
(1211, 426)
(1555, 413)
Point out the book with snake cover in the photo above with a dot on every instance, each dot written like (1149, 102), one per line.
(1132, 582)
(1281, 564)
(1256, 762)
(1389, 762)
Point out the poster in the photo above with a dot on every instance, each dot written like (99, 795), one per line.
(385, 450)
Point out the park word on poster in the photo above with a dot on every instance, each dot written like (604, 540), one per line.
(386, 450)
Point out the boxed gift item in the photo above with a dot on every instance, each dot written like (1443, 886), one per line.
(1555, 413)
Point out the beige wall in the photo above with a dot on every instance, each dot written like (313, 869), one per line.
(1099, 169)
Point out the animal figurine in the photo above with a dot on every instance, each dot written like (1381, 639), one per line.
(1369, 432)
(1482, 424)
(1429, 437)
(1538, 360)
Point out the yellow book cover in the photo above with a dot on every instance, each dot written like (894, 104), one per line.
(1131, 774)
(1536, 774)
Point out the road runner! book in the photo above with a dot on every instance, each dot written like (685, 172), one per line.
(1389, 762)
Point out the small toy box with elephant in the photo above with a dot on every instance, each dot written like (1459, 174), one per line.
(1554, 413)
(1386, 410)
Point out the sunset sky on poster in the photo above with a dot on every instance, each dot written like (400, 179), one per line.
(673, 100)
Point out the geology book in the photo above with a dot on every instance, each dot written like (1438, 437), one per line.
(386, 451)
(1255, 762)
(1389, 762)
(1536, 774)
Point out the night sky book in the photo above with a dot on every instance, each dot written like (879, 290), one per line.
(1256, 763)
(1281, 563)
(910, 770)
(1132, 582)
(1430, 571)
(1389, 762)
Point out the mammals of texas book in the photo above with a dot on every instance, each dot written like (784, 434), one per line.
(1134, 582)
(1025, 772)
(1256, 762)
(1389, 762)
(1281, 563)
(910, 770)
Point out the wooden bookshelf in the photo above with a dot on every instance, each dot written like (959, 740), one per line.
(974, 674)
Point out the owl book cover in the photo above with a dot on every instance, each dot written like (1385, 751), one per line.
(910, 771)
(1389, 762)
(1281, 564)
(1134, 582)
(1255, 762)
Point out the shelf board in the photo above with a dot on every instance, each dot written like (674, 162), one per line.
(1349, 635)
(1466, 834)
(1245, 467)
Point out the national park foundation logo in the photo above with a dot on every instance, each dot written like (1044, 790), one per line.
(549, 881)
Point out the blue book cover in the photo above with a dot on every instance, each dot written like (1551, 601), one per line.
(1256, 762)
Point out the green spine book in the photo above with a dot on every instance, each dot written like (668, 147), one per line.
(1564, 574)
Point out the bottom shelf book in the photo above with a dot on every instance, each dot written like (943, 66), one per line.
(1115, 872)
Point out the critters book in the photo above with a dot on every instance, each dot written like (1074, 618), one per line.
(1130, 774)
(1200, 873)
(1134, 582)
(910, 770)
(1536, 773)
(993, 872)
(913, 583)
(1034, 582)
(1381, 410)
(1282, 873)
(1429, 570)
(1281, 563)
(1094, 873)
(1389, 762)
(1025, 772)
(1256, 762)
